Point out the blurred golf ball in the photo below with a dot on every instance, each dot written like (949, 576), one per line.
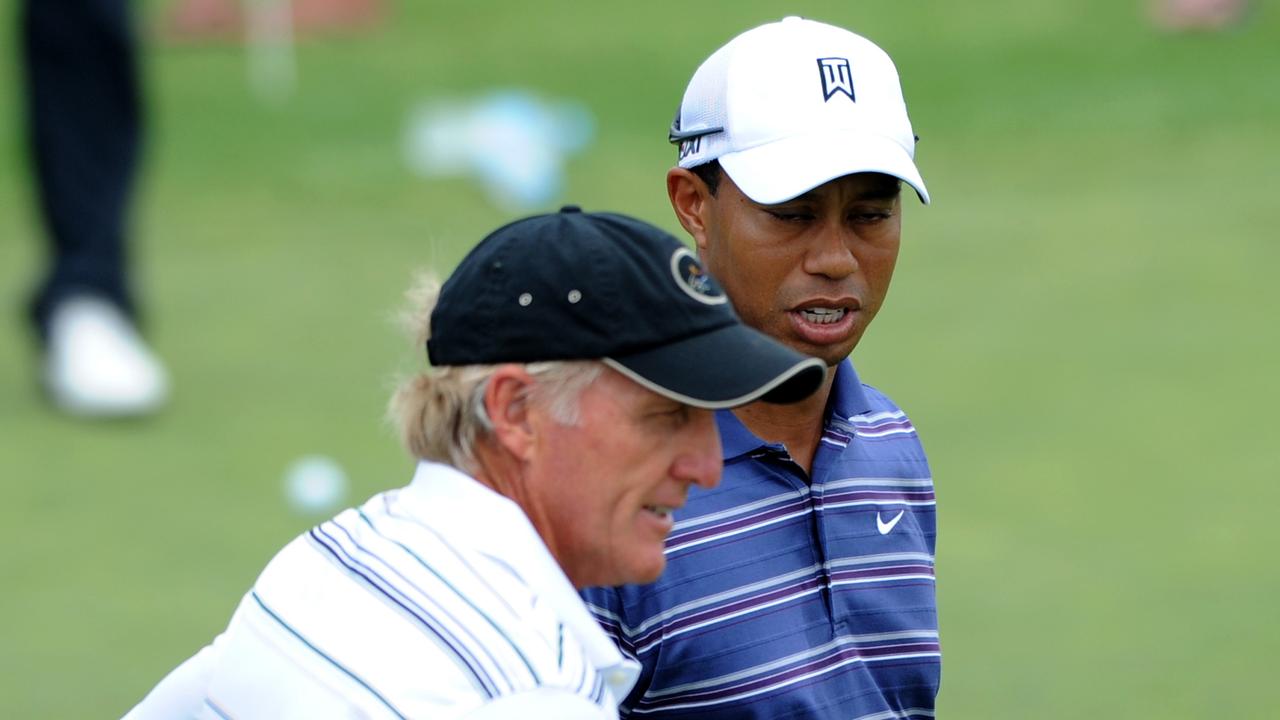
(315, 484)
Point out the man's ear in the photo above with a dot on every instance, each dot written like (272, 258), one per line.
(690, 199)
(506, 400)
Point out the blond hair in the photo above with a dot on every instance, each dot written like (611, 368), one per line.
(441, 413)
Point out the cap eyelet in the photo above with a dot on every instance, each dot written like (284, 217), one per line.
(525, 299)
(574, 297)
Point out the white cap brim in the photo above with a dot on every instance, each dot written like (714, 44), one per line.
(778, 171)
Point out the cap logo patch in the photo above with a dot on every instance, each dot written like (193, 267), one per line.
(690, 147)
(836, 77)
(693, 280)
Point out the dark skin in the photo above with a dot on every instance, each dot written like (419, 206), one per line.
(812, 272)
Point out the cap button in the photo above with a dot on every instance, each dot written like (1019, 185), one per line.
(570, 209)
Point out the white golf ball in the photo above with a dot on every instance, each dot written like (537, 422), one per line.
(315, 484)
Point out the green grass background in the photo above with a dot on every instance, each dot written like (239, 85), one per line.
(1082, 327)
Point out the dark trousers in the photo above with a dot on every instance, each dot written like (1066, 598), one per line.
(84, 122)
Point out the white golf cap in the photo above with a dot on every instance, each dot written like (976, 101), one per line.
(788, 106)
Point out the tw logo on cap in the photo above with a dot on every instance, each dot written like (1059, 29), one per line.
(690, 147)
(693, 280)
(836, 77)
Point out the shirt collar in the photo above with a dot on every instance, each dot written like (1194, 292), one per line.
(847, 399)
(847, 396)
(452, 501)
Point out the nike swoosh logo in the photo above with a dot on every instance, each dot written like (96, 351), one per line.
(887, 527)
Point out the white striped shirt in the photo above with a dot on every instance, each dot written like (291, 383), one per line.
(436, 600)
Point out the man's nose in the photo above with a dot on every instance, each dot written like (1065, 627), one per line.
(831, 252)
(702, 460)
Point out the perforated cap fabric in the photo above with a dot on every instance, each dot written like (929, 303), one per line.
(790, 105)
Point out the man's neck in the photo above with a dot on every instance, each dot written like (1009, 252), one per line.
(798, 426)
(499, 472)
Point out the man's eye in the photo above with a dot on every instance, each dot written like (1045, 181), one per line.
(790, 215)
(677, 416)
(871, 216)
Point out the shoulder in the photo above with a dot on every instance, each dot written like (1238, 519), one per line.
(854, 401)
(877, 421)
(379, 600)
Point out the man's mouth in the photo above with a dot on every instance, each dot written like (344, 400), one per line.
(823, 316)
(826, 321)
(663, 511)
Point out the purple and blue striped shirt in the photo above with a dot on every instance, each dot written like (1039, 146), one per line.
(794, 596)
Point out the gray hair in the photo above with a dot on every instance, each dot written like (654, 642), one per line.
(441, 413)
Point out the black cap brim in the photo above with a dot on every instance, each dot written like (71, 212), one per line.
(731, 366)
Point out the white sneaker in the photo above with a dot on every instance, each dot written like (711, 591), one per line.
(96, 365)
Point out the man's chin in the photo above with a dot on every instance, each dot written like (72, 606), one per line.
(832, 355)
(647, 573)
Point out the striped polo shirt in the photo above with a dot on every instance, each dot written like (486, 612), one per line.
(794, 596)
(437, 600)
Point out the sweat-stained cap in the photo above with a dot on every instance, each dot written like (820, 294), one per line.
(602, 286)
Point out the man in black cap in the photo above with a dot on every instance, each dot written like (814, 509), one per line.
(568, 414)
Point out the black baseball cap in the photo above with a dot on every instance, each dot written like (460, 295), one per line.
(602, 286)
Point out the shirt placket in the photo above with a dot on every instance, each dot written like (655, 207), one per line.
(823, 459)
(811, 493)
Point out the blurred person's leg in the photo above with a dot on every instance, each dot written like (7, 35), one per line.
(84, 121)
(84, 125)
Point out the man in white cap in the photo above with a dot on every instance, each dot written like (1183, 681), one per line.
(802, 586)
(559, 430)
